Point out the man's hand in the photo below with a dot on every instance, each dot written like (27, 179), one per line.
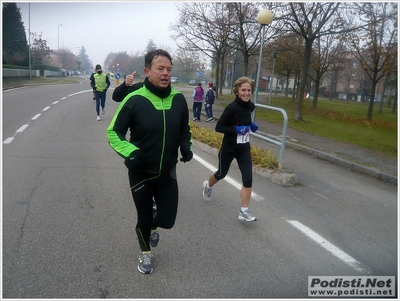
(129, 79)
(187, 155)
(135, 160)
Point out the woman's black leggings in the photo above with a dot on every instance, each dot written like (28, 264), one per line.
(244, 162)
(164, 189)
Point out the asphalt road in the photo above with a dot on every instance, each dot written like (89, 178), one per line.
(68, 216)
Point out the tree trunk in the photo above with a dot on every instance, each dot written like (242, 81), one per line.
(382, 98)
(394, 102)
(246, 63)
(287, 86)
(295, 88)
(222, 73)
(383, 94)
(217, 78)
(315, 99)
(303, 80)
(371, 99)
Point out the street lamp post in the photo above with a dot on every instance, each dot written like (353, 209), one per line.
(272, 77)
(58, 49)
(264, 17)
(30, 53)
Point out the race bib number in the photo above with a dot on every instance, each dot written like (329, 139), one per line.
(240, 139)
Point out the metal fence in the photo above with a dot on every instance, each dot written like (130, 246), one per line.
(282, 142)
(19, 72)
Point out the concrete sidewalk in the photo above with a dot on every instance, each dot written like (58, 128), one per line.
(348, 156)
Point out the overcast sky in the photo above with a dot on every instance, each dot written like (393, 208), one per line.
(101, 27)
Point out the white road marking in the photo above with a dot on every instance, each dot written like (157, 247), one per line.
(328, 246)
(22, 128)
(227, 178)
(80, 92)
(8, 140)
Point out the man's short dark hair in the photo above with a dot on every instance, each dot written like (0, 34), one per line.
(153, 54)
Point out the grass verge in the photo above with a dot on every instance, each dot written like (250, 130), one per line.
(339, 120)
(260, 157)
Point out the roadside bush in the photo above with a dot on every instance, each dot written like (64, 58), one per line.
(260, 157)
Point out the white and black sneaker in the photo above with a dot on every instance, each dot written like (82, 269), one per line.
(246, 216)
(145, 265)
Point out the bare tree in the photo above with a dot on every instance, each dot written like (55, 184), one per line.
(312, 20)
(288, 63)
(327, 52)
(187, 62)
(204, 27)
(375, 45)
(246, 32)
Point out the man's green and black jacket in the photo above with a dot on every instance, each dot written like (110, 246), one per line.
(158, 120)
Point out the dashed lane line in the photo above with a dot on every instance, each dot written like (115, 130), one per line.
(22, 128)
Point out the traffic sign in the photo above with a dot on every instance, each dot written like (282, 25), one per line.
(117, 75)
(200, 73)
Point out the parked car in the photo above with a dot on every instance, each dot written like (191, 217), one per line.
(175, 79)
(192, 82)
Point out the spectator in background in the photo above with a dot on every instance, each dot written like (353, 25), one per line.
(198, 95)
(210, 97)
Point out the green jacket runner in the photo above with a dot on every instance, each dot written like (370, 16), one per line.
(158, 120)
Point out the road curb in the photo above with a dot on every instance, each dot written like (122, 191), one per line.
(371, 172)
(344, 163)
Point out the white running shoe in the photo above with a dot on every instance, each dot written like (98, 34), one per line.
(98, 118)
(247, 216)
(206, 191)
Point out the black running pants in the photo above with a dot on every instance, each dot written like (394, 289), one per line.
(164, 189)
